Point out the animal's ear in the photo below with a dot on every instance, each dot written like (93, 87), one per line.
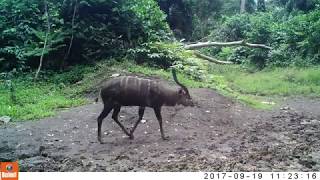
(181, 91)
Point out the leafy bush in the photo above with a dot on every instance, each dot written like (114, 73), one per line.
(164, 55)
(233, 28)
(156, 54)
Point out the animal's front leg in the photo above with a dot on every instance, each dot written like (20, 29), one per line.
(115, 114)
(157, 111)
(141, 112)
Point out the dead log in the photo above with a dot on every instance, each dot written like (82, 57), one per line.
(234, 43)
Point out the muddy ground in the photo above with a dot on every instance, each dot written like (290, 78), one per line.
(219, 135)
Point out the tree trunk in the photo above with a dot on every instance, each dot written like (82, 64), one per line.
(72, 33)
(242, 6)
(45, 41)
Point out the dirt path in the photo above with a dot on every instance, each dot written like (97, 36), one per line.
(220, 135)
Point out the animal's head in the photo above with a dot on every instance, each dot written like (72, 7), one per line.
(184, 97)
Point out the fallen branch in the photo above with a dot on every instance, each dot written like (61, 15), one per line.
(211, 59)
(234, 43)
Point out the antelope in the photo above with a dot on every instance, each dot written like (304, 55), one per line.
(135, 91)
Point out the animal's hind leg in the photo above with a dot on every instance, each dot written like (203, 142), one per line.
(141, 112)
(157, 111)
(106, 110)
(115, 114)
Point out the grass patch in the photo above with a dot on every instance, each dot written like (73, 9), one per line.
(35, 100)
(275, 82)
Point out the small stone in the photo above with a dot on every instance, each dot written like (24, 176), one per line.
(143, 121)
(5, 119)
(285, 108)
(305, 122)
(82, 157)
(171, 156)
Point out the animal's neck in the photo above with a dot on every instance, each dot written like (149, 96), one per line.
(170, 98)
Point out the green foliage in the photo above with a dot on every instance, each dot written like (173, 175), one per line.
(294, 39)
(101, 29)
(156, 54)
(225, 53)
(164, 55)
(233, 28)
(261, 5)
(250, 6)
(203, 14)
(154, 20)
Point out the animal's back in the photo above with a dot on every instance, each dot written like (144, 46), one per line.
(131, 91)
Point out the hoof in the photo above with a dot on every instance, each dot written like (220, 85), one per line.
(100, 141)
(131, 137)
(165, 138)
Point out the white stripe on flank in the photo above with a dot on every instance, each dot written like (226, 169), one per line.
(148, 93)
(121, 82)
(126, 83)
(139, 86)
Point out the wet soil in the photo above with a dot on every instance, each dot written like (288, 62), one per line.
(219, 135)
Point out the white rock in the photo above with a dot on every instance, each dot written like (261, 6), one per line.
(115, 75)
(268, 102)
(5, 119)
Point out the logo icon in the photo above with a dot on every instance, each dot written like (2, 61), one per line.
(9, 167)
(9, 170)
